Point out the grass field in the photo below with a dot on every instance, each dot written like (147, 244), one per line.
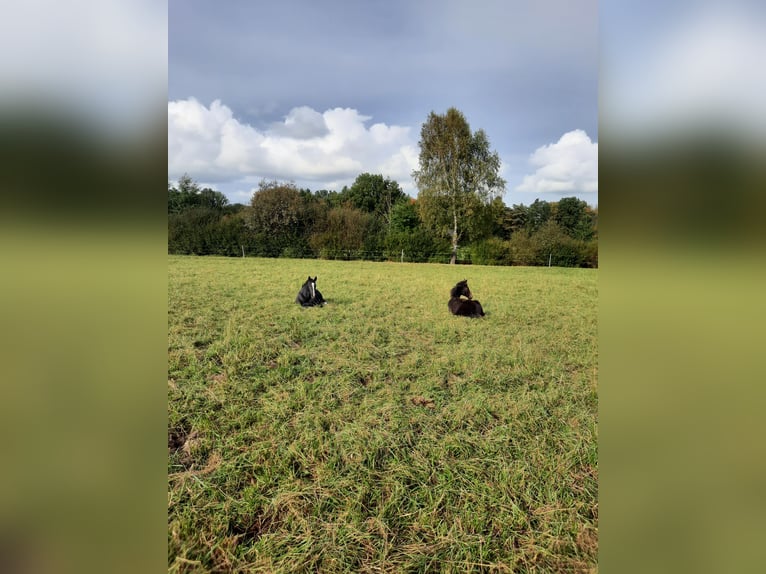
(380, 433)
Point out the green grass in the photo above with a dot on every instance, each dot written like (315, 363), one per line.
(380, 433)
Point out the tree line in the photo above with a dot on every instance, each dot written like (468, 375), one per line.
(459, 215)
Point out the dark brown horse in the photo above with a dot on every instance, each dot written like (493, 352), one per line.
(466, 307)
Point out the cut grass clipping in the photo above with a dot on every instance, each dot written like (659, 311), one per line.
(380, 433)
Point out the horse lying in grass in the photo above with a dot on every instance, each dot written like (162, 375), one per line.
(309, 295)
(464, 307)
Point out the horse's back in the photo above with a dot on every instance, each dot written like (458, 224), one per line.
(475, 309)
(465, 308)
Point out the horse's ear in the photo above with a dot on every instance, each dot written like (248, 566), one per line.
(315, 279)
(309, 278)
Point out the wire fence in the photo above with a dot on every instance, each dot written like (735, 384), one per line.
(402, 256)
(465, 256)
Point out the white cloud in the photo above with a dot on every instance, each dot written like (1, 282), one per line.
(332, 147)
(301, 123)
(567, 166)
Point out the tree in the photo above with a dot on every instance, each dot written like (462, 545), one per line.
(188, 195)
(593, 216)
(184, 195)
(344, 230)
(458, 175)
(276, 217)
(552, 243)
(212, 199)
(404, 216)
(374, 194)
(187, 185)
(538, 213)
(330, 198)
(196, 220)
(491, 251)
(516, 218)
(573, 217)
(492, 221)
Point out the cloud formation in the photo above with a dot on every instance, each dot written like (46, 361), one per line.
(325, 149)
(568, 166)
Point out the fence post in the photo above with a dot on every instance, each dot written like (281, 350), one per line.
(402, 256)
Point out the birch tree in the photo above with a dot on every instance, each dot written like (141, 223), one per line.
(458, 175)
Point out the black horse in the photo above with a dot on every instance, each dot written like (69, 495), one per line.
(309, 295)
(465, 307)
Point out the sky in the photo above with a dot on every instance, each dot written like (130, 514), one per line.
(317, 93)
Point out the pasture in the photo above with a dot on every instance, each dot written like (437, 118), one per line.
(380, 433)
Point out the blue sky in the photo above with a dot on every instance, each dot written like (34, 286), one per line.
(319, 92)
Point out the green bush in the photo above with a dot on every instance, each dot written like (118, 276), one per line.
(296, 252)
(551, 245)
(491, 251)
(590, 253)
(418, 245)
(521, 249)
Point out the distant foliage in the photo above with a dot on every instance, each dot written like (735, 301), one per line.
(537, 214)
(575, 218)
(277, 218)
(374, 195)
(417, 244)
(201, 221)
(189, 195)
(373, 219)
(344, 230)
(491, 251)
(404, 216)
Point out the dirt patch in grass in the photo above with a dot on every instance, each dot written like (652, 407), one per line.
(250, 528)
(177, 437)
(420, 401)
(363, 379)
(182, 443)
(587, 541)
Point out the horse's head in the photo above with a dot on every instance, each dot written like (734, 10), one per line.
(312, 285)
(461, 289)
